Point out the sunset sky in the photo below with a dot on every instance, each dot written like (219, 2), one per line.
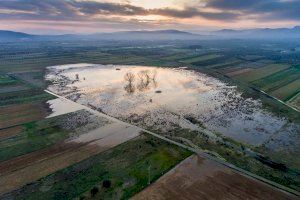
(90, 16)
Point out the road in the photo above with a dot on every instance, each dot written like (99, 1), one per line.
(295, 109)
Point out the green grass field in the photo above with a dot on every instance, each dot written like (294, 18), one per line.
(288, 91)
(278, 79)
(23, 96)
(295, 101)
(126, 167)
(6, 80)
(259, 73)
(38, 135)
(200, 58)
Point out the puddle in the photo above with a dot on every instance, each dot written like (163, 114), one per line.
(98, 129)
(112, 133)
(62, 106)
(164, 98)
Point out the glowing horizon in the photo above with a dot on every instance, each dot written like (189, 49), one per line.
(90, 16)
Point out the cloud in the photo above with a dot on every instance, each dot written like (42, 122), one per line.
(84, 10)
(92, 8)
(224, 10)
(194, 12)
(38, 10)
(268, 10)
(124, 14)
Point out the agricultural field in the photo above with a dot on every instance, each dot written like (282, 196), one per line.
(53, 136)
(295, 101)
(280, 81)
(23, 96)
(76, 146)
(55, 143)
(7, 80)
(14, 91)
(288, 91)
(279, 165)
(20, 102)
(198, 177)
(10, 84)
(115, 174)
(259, 73)
(146, 97)
(11, 131)
(200, 58)
(18, 114)
(33, 78)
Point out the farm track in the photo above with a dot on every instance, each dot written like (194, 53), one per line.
(195, 150)
(276, 99)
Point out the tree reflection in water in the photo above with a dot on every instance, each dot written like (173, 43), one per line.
(129, 79)
(146, 80)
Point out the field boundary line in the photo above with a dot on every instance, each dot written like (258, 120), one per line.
(279, 100)
(259, 90)
(197, 151)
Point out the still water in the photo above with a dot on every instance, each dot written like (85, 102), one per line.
(165, 98)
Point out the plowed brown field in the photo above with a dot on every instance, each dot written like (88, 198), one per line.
(198, 178)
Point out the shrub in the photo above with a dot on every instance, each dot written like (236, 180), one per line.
(94, 191)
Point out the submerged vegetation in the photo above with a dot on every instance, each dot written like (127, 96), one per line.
(216, 119)
(252, 66)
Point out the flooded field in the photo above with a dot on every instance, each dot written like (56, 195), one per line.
(60, 106)
(165, 98)
(70, 134)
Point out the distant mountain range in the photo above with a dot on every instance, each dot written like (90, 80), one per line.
(146, 35)
(125, 35)
(259, 33)
(13, 35)
(7, 36)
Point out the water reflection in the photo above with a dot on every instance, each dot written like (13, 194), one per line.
(129, 79)
(163, 97)
(145, 81)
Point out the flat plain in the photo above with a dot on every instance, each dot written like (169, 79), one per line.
(199, 178)
(68, 144)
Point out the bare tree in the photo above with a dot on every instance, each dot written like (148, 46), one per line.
(147, 79)
(144, 80)
(129, 78)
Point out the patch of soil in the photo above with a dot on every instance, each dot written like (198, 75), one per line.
(28, 168)
(31, 167)
(9, 132)
(196, 178)
(19, 114)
